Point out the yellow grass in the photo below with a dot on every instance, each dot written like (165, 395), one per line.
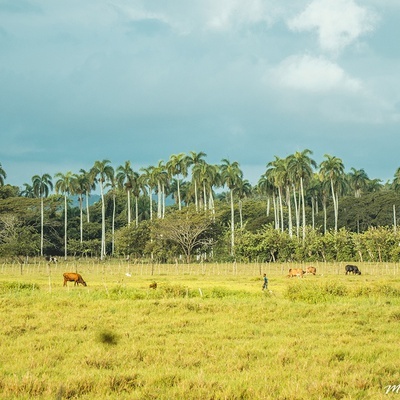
(206, 332)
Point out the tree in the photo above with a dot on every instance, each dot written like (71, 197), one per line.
(332, 170)
(177, 166)
(65, 185)
(300, 168)
(102, 172)
(231, 175)
(80, 187)
(194, 159)
(126, 177)
(90, 185)
(188, 230)
(41, 187)
(3, 175)
(28, 191)
(242, 190)
(358, 180)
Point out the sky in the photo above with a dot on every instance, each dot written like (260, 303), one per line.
(243, 80)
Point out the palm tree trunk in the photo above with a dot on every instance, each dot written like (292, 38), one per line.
(41, 225)
(195, 196)
(280, 206)
(65, 226)
(113, 225)
(290, 225)
(129, 206)
(297, 212)
(103, 224)
(87, 206)
(232, 226)
(81, 216)
(303, 208)
(179, 195)
(334, 204)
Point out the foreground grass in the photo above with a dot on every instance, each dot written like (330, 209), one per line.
(198, 337)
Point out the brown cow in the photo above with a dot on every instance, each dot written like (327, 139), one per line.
(296, 272)
(311, 270)
(153, 285)
(73, 277)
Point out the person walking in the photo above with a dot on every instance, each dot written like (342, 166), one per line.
(265, 283)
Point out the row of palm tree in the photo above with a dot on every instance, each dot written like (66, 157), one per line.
(295, 178)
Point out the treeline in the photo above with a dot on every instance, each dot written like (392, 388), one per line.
(298, 211)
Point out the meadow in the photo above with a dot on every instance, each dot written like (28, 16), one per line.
(207, 332)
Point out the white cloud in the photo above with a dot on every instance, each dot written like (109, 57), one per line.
(338, 22)
(312, 74)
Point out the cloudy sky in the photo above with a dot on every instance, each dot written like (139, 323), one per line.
(246, 80)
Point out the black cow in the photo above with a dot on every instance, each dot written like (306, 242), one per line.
(352, 269)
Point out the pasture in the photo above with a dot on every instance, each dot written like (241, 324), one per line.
(206, 332)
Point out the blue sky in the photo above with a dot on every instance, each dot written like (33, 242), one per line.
(141, 80)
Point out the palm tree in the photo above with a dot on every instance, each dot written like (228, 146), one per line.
(28, 191)
(277, 173)
(242, 190)
(176, 166)
(125, 178)
(266, 187)
(80, 185)
(332, 170)
(113, 183)
(146, 180)
(3, 175)
(89, 186)
(194, 159)
(300, 167)
(231, 176)
(65, 185)
(102, 172)
(358, 180)
(41, 187)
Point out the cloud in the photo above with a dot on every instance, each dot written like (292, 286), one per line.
(338, 23)
(312, 74)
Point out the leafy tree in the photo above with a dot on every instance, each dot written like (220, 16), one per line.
(189, 230)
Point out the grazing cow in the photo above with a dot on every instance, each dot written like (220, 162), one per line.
(296, 272)
(352, 269)
(311, 270)
(51, 259)
(73, 277)
(153, 285)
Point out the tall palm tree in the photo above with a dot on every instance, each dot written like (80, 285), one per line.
(80, 184)
(42, 185)
(65, 185)
(277, 173)
(194, 159)
(3, 175)
(358, 180)
(231, 176)
(89, 186)
(177, 165)
(300, 167)
(102, 172)
(332, 170)
(266, 187)
(242, 190)
(147, 181)
(125, 178)
(28, 191)
(113, 183)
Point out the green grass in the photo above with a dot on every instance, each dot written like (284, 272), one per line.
(198, 336)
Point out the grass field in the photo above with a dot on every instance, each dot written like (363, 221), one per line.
(206, 332)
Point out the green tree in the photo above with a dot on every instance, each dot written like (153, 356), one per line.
(42, 185)
(126, 179)
(231, 176)
(194, 159)
(102, 173)
(178, 166)
(65, 185)
(332, 170)
(3, 175)
(301, 169)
